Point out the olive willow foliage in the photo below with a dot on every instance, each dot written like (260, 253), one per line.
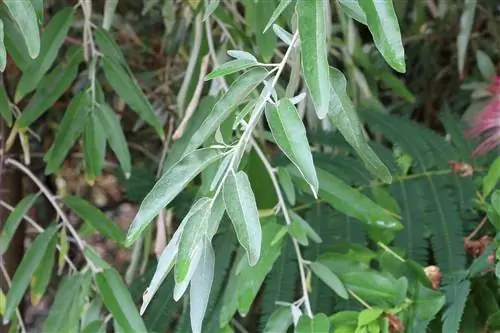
(291, 217)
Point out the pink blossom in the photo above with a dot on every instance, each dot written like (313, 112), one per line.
(487, 122)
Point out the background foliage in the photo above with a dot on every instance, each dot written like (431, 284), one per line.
(248, 166)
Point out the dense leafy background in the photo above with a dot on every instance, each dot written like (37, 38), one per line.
(248, 166)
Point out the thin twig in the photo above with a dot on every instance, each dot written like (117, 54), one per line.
(282, 204)
(54, 204)
(477, 228)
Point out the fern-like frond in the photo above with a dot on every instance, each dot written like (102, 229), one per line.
(457, 291)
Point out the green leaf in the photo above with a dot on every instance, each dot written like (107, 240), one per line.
(43, 274)
(485, 65)
(169, 186)
(24, 15)
(290, 135)
(51, 88)
(297, 232)
(95, 217)
(116, 138)
(352, 8)
(319, 323)
(238, 54)
(212, 6)
(369, 315)
(18, 51)
(231, 67)
(383, 24)
(242, 209)
(457, 292)
(350, 201)
(13, 220)
(311, 24)
(191, 239)
(492, 177)
(94, 147)
(3, 51)
(109, 48)
(95, 258)
(165, 264)
(286, 184)
(5, 109)
(52, 40)
(70, 128)
(24, 272)
(127, 88)
(279, 321)
(466, 22)
(344, 117)
(117, 300)
(201, 284)
(277, 12)
(39, 9)
(311, 233)
(266, 41)
(329, 278)
(65, 312)
(208, 121)
(95, 326)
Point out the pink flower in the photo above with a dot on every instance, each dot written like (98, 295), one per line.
(488, 122)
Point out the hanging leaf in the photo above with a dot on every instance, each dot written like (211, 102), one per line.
(192, 237)
(94, 147)
(492, 177)
(485, 65)
(169, 186)
(311, 24)
(383, 24)
(10, 226)
(286, 183)
(127, 88)
(51, 88)
(242, 209)
(201, 284)
(290, 134)
(457, 292)
(313, 235)
(43, 274)
(280, 321)
(117, 300)
(52, 40)
(343, 115)
(3, 51)
(352, 9)
(70, 128)
(329, 278)
(24, 15)
(24, 272)
(212, 6)
(39, 9)
(95, 217)
(116, 138)
(266, 40)
(5, 109)
(466, 22)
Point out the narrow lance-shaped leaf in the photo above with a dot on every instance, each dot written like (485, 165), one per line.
(277, 12)
(201, 285)
(195, 136)
(231, 67)
(352, 8)
(192, 236)
(383, 24)
(24, 272)
(466, 22)
(3, 51)
(169, 186)
(51, 88)
(69, 130)
(127, 88)
(242, 209)
(94, 147)
(265, 40)
(343, 116)
(39, 9)
(52, 40)
(329, 278)
(212, 6)
(17, 50)
(118, 301)
(279, 321)
(95, 217)
(25, 17)
(311, 22)
(12, 222)
(116, 138)
(5, 110)
(290, 134)
(43, 274)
